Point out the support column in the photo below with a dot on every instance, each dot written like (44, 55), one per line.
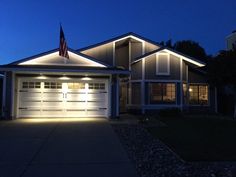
(115, 96)
(181, 84)
(7, 104)
(143, 81)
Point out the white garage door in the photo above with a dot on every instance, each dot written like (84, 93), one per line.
(62, 99)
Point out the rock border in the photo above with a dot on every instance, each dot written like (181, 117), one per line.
(152, 158)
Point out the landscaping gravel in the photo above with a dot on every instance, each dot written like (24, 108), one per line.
(152, 158)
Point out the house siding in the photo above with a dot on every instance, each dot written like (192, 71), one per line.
(150, 69)
(136, 93)
(136, 71)
(193, 77)
(136, 50)
(150, 47)
(103, 53)
(122, 56)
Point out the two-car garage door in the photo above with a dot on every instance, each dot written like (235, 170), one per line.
(57, 98)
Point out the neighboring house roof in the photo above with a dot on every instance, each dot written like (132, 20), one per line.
(130, 34)
(26, 61)
(185, 57)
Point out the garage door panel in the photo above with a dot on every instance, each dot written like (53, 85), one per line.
(96, 104)
(75, 99)
(30, 95)
(96, 97)
(31, 104)
(54, 103)
(30, 113)
(76, 113)
(96, 112)
(52, 96)
(52, 113)
(76, 105)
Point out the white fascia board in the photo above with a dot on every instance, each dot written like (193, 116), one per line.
(185, 58)
(176, 54)
(32, 70)
(129, 36)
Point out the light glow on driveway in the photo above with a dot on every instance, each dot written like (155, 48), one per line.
(53, 120)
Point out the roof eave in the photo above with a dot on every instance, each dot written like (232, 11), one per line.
(187, 58)
(72, 70)
(119, 38)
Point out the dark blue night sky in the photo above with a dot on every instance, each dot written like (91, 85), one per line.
(29, 27)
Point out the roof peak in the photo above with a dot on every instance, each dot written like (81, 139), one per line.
(119, 37)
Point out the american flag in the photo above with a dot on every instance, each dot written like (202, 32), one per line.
(63, 50)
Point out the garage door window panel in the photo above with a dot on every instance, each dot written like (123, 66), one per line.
(31, 85)
(52, 85)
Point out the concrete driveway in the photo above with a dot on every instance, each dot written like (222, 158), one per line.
(61, 148)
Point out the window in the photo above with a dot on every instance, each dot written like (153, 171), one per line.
(31, 85)
(162, 64)
(97, 86)
(162, 93)
(76, 85)
(52, 85)
(198, 94)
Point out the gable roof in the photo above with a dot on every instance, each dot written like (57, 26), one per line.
(123, 36)
(45, 58)
(174, 52)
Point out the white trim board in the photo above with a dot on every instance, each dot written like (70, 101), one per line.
(199, 64)
(168, 64)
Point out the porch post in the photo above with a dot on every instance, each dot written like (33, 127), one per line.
(3, 95)
(7, 105)
(115, 96)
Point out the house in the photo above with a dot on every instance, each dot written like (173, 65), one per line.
(126, 73)
(231, 41)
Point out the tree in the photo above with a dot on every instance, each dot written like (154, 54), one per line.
(191, 48)
(187, 47)
(222, 72)
(168, 43)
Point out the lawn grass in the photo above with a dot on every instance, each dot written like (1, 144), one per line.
(199, 138)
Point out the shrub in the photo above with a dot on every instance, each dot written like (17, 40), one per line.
(172, 112)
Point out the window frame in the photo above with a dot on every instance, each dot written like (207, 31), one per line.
(168, 64)
(198, 85)
(162, 102)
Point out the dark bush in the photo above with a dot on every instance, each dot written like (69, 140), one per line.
(172, 112)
